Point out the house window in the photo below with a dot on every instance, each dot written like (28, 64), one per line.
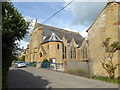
(40, 54)
(58, 46)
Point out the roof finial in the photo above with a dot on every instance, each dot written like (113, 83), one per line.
(36, 24)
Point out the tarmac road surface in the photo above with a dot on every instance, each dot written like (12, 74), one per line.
(31, 77)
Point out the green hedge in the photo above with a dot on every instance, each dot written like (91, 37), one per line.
(45, 63)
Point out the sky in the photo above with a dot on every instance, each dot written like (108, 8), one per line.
(78, 16)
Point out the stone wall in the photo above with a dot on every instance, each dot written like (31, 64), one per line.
(35, 39)
(53, 51)
(80, 68)
(103, 28)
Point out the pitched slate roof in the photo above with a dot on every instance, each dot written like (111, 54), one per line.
(69, 35)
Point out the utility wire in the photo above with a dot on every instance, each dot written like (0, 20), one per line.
(57, 12)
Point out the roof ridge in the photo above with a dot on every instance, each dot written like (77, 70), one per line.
(60, 28)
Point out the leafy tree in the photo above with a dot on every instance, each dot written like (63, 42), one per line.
(107, 62)
(22, 58)
(14, 27)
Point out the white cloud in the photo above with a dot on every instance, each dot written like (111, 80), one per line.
(84, 34)
(27, 37)
(85, 12)
(23, 44)
(25, 41)
(69, 29)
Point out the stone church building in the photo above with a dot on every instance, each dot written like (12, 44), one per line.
(55, 44)
(60, 45)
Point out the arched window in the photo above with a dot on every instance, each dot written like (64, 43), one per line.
(58, 46)
(64, 51)
(40, 54)
(84, 52)
(73, 52)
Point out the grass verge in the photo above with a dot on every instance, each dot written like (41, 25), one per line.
(107, 79)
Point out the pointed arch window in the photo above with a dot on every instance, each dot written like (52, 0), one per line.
(73, 52)
(84, 52)
(40, 54)
(64, 51)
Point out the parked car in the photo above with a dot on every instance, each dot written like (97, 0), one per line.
(20, 64)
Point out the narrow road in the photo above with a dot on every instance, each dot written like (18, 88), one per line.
(30, 77)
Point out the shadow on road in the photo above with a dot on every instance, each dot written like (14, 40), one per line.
(18, 78)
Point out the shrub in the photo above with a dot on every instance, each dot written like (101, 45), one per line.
(46, 61)
(33, 64)
(22, 58)
(107, 61)
(45, 64)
